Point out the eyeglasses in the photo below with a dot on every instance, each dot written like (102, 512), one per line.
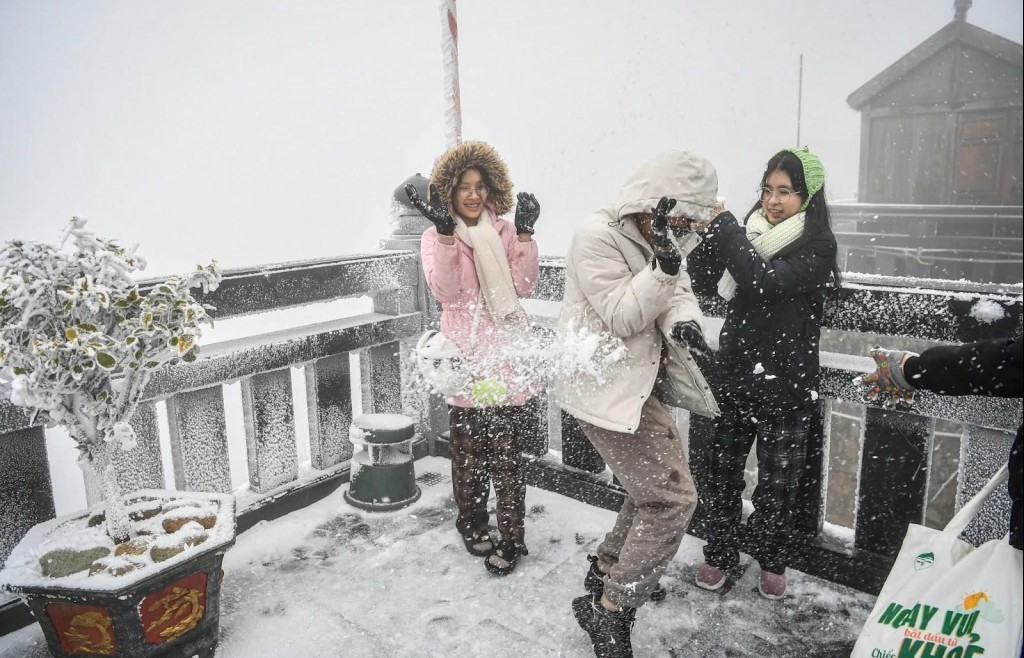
(481, 190)
(782, 194)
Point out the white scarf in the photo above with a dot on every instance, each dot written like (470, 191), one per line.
(768, 240)
(492, 268)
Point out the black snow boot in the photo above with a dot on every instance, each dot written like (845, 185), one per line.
(609, 631)
(594, 582)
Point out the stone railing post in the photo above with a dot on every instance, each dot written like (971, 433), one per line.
(26, 492)
(429, 411)
(982, 452)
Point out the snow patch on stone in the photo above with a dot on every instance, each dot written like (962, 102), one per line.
(987, 311)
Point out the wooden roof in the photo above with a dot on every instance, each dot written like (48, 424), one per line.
(969, 35)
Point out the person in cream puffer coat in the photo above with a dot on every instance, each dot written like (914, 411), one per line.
(624, 282)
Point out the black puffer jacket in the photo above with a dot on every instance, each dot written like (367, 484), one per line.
(989, 367)
(768, 349)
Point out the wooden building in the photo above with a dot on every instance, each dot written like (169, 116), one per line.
(942, 124)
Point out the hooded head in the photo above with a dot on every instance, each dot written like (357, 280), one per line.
(454, 162)
(688, 178)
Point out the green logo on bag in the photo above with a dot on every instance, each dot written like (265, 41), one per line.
(924, 560)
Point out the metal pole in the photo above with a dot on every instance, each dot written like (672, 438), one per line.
(799, 99)
(450, 53)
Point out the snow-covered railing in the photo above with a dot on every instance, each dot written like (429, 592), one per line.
(560, 458)
(194, 396)
(981, 243)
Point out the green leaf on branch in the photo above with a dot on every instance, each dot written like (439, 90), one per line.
(106, 361)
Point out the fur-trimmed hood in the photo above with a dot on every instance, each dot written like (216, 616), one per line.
(456, 160)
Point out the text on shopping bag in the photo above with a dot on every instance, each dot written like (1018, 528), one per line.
(929, 634)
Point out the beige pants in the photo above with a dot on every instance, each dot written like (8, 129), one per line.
(660, 500)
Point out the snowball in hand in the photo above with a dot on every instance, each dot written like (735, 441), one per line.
(489, 392)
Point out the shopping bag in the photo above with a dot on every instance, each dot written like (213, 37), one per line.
(944, 598)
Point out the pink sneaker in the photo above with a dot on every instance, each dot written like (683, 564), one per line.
(772, 585)
(709, 577)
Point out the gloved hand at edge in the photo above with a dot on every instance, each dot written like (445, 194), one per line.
(887, 384)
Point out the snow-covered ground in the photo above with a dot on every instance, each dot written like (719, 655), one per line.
(331, 581)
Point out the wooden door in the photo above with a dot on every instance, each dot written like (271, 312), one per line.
(987, 166)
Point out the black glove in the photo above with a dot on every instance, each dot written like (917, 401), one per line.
(688, 335)
(717, 219)
(527, 212)
(665, 251)
(436, 211)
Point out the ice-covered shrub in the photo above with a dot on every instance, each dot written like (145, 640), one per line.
(79, 341)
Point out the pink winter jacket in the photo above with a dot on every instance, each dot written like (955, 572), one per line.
(451, 274)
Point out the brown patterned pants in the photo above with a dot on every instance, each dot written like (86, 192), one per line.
(485, 447)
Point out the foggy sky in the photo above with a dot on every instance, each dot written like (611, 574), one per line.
(260, 131)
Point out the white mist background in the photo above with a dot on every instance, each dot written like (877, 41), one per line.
(255, 131)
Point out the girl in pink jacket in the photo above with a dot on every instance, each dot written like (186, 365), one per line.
(479, 265)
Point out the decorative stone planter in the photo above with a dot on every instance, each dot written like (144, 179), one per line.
(166, 601)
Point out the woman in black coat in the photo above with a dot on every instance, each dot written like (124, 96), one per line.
(777, 270)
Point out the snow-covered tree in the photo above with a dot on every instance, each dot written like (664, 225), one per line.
(79, 341)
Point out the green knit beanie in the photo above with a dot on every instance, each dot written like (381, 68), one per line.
(814, 173)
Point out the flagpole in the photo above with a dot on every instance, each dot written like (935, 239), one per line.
(799, 99)
(450, 53)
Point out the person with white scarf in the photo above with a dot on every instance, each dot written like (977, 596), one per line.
(777, 271)
(478, 266)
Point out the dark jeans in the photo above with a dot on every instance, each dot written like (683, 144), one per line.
(781, 453)
(485, 446)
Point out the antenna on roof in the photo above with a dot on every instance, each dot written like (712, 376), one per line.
(960, 8)
(799, 99)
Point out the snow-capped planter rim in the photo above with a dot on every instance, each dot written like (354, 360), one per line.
(22, 573)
